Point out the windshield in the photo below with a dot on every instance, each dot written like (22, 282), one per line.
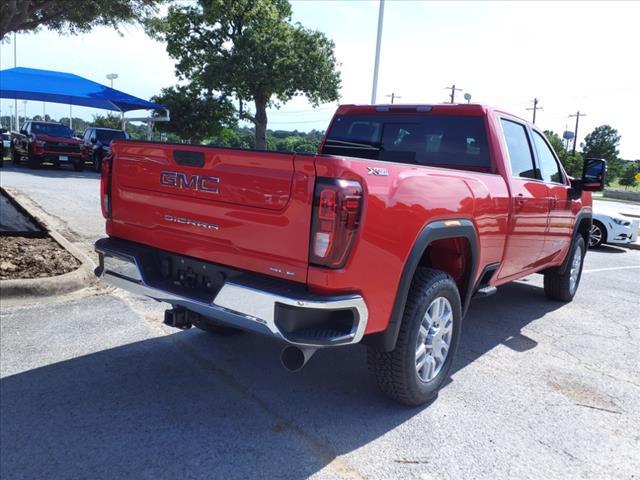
(105, 136)
(52, 129)
(437, 140)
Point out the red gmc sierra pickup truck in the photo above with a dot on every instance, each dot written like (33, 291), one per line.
(382, 238)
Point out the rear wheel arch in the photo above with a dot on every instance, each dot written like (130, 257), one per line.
(581, 227)
(452, 235)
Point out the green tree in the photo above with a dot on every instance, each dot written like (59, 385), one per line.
(198, 114)
(556, 142)
(573, 163)
(603, 143)
(251, 50)
(629, 172)
(71, 16)
(109, 120)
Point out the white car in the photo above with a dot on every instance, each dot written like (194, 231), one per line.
(613, 228)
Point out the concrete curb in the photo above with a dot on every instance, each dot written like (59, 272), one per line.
(34, 288)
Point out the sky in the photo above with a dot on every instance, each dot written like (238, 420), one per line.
(571, 56)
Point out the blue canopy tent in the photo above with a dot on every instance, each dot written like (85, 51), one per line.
(59, 87)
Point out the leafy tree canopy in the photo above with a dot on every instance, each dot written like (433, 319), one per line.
(198, 114)
(629, 172)
(601, 143)
(249, 49)
(556, 142)
(71, 16)
(109, 120)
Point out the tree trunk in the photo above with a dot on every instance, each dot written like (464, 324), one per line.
(261, 122)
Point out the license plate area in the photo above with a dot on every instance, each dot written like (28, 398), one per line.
(63, 158)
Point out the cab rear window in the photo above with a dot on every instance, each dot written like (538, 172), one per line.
(445, 141)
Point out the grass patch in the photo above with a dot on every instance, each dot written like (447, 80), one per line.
(615, 185)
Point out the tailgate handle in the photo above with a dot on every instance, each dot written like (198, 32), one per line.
(188, 158)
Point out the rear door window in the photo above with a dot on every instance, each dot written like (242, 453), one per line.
(520, 155)
(549, 167)
(436, 140)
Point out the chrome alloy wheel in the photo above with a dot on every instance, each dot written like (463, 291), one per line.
(434, 339)
(595, 236)
(574, 275)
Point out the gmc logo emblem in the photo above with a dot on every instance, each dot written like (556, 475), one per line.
(184, 181)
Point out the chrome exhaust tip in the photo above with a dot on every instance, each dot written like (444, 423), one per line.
(294, 358)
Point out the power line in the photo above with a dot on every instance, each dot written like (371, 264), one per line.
(535, 108)
(453, 92)
(575, 133)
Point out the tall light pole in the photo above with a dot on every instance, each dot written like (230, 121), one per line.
(111, 77)
(24, 103)
(376, 63)
(15, 64)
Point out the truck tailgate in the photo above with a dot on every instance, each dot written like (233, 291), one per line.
(246, 209)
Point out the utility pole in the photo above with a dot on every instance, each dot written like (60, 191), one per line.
(376, 63)
(15, 64)
(393, 97)
(535, 108)
(453, 92)
(575, 133)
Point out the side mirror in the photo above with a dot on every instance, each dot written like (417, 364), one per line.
(23, 132)
(93, 140)
(593, 174)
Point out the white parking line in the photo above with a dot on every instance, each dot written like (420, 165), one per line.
(608, 269)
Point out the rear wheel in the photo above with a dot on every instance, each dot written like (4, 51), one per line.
(34, 161)
(415, 370)
(15, 156)
(563, 286)
(97, 163)
(211, 326)
(597, 234)
(78, 164)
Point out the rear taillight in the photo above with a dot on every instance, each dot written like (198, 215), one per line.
(336, 215)
(105, 186)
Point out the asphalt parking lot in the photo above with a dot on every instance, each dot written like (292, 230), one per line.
(94, 386)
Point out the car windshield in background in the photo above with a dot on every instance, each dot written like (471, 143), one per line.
(105, 136)
(52, 129)
(445, 141)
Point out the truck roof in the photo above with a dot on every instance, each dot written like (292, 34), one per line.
(462, 108)
(472, 109)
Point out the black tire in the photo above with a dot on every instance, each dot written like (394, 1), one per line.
(395, 372)
(597, 235)
(557, 285)
(34, 161)
(211, 326)
(15, 157)
(97, 163)
(78, 165)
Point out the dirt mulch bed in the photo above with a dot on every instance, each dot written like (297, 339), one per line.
(22, 257)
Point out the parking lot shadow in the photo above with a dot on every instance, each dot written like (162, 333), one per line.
(499, 320)
(51, 171)
(191, 405)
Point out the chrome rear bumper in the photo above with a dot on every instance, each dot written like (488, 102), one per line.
(245, 306)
